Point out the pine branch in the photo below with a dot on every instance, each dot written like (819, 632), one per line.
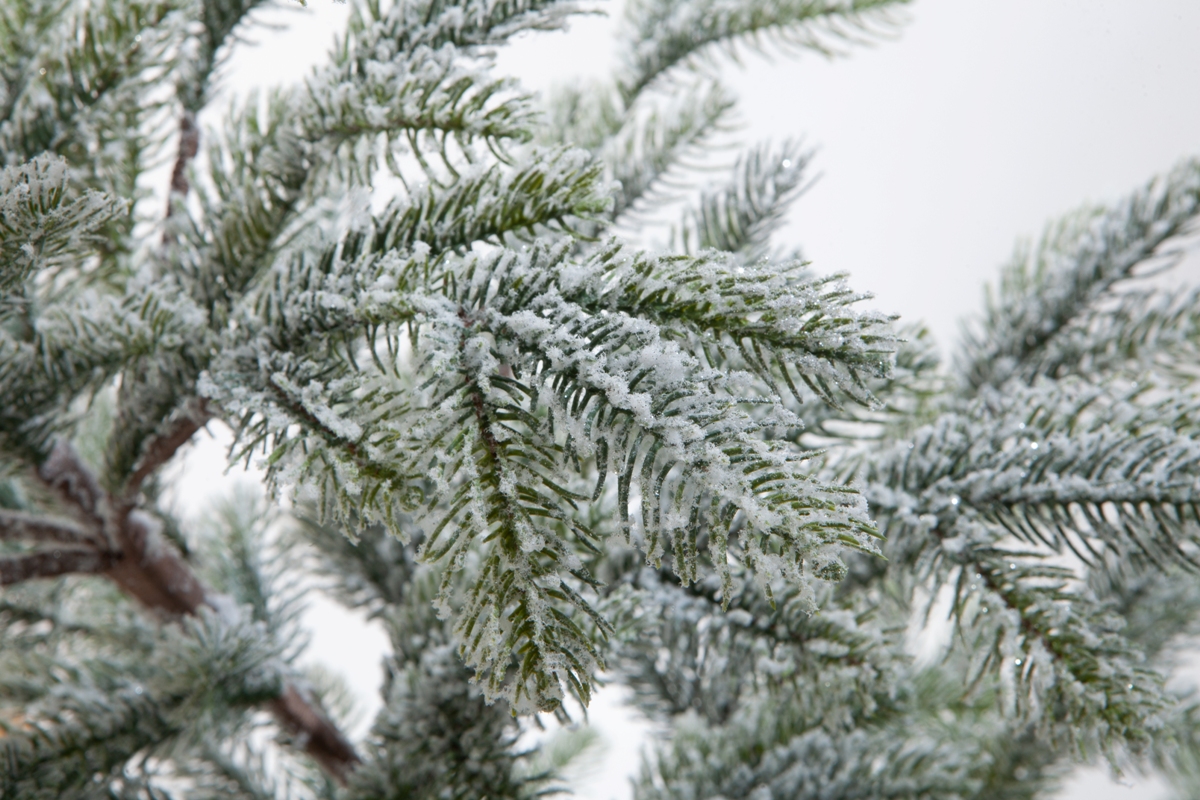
(1140, 332)
(429, 100)
(523, 385)
(650, 148)
(43, 228)
(466, 24)
(1080, 678)
(437, 736)
(772, 320)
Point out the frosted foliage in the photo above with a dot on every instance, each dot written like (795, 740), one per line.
(123, 686)
(741, 216)
(772, 762)
(544, 380)
(533, 454)
(1039, 317)
(660, 34)
(42, 225)
(649, 143)
(1052, 464)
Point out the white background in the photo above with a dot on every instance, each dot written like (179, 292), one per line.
(974, 125)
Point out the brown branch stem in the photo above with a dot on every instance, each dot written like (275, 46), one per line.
(189, 146)
(17, 526)
(51, 563)
(148, 568)
(163, 446)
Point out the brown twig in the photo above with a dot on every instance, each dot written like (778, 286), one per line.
(51, 563)
(163, 447)
(189, 146)
(320, 737)
(149, 569)
(16, 526)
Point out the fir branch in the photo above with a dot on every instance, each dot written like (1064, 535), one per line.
(42, 226)
(1055, 466)
(437, 736)
(159, 450)
(1081, 679)
(558, 186)
(1140, 332)
(428, 99)
(770, 319)
(1077, 262)
(466, 24)
(649, 148)
(150, 570)
(660, 34)
(741, 216)
(258, 172)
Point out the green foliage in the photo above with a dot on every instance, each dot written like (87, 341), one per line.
(531, 451)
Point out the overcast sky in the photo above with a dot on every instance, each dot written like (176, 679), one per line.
(937, 149)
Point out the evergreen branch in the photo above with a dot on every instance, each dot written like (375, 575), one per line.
(159, 449)
(1145, 331)
(119, 724)
(770, 319)
(1082, 679)
(430, 97)
(498, 343)
(75, 485)
(660, 35)
(1078, 262)
(219, 19)
(315, 732)
(189, 146)
(107, 711)
(586, 114)
(437, 736)
(644, 152)
(258, 173)
(741, 216)
(151, 571)
(1052, 465)
(82, 87)
(556, 186)
(50, 563)
(74, 347)
(679, 651)
(363, 566)
(465, 24)
(1161, 608)
(42, 227)
(780, 755)
(255, 567)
